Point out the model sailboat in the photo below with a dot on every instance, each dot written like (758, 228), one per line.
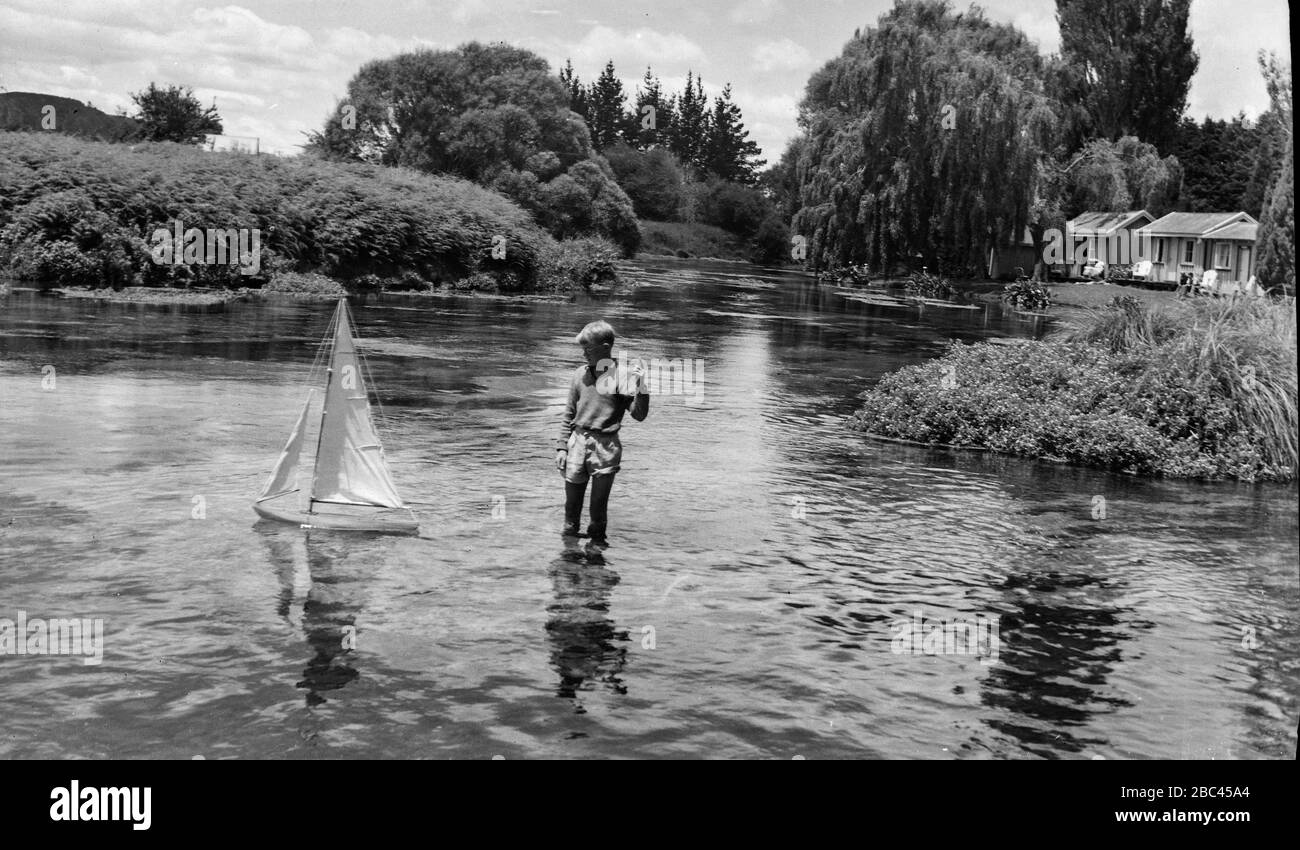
(351, 488)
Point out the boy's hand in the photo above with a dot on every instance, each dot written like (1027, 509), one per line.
(561, 458)
(638, 377)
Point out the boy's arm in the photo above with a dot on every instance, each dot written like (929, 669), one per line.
(570, 411)
(640, 406)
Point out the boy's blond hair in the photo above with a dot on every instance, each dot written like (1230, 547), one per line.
(598, 331)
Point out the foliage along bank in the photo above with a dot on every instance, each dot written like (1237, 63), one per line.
(493, 114)
(1203, 389)
(81, 213)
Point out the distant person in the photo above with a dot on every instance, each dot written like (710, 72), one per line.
(589, 446)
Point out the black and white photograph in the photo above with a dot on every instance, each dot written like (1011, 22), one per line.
(871, 380)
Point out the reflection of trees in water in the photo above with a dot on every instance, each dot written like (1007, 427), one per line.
(584, 640)
(328, 613)
(1054, 659)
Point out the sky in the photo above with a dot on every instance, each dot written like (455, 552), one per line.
(277, 67)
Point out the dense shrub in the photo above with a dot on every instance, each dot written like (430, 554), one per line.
(653, 179)
(1027, 295)
(771, 245)
(304, 284)
(929, 286)
(733, 207)
(64, 239)
(578, 263)
(73, 211)
(679, 239)
(491, 113)
(1217, 399)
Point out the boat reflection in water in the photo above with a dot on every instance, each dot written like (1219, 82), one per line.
(586, 646)
(309, 568)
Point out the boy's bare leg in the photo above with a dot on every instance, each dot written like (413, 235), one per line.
(600, 487)
(573, 496)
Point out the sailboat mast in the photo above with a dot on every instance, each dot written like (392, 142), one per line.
(339, 316)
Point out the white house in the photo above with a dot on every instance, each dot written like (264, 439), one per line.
(1184, 243)
(1111, 237)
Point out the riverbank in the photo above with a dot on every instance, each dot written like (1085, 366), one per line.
(1194, 389)
(171, 296)
(157, 295)
(690, 241)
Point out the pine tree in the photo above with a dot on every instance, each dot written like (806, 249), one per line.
(1217, 159)
(728, 151)
(1273, 133)
(1276, 266)
(690, 130)
(606, 100)
(652, 118)
(577, 92)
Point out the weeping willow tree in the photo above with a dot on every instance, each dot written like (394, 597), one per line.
(923, 138)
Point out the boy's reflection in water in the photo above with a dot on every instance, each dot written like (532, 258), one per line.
(584, 640)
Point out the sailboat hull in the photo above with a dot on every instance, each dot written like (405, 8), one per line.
(288, 508)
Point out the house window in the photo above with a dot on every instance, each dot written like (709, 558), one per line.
(1160, 251)
(1189, 251)
(1222, 255)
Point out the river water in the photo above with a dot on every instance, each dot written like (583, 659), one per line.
(763, 559)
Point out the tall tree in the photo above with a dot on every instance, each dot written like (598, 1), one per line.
(1136, 61)
(577, 91)
(1276, 266)
(728, 151)
(692, 123)
(1218, 159)
(1273, 136)
(606, 118)
(1117, 176)
(1277, 224)
(923, 137)
(653, 116)
(492, 113)
(174, 114)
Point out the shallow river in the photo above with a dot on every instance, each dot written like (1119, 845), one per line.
(763, 559)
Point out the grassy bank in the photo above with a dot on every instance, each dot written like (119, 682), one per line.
(696, 241)
(80, 213)
(1194, 389)
(157, 295)
(1102, 294)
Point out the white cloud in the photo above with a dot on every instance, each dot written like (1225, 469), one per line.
(1040, 25)
(782, 55)
(463, 11)
(637, 48)
(770, 119)
(270, 80)
(755, 11)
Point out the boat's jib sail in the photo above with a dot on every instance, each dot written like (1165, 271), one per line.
(284, 478)
(350, 466)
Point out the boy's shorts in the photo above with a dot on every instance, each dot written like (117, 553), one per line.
(592, 453)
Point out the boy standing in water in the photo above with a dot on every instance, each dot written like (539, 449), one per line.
(589, 446)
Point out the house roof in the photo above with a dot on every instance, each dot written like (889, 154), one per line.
(1195, 224)
(1106, 223)
(1243, 230)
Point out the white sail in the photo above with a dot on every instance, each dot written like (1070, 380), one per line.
(284, 478)
(350, 467)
